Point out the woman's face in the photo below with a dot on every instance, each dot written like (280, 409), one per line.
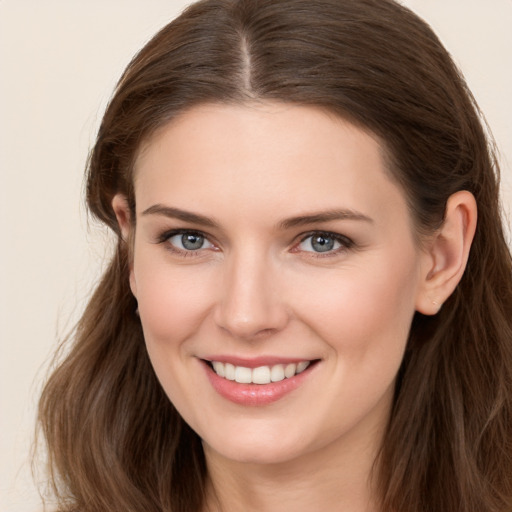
(269, 238)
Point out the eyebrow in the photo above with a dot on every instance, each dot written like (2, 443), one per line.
(300, 220)
(177, 213)
(324, 216)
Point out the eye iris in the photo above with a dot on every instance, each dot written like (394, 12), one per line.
(321, 243)
(192, 241)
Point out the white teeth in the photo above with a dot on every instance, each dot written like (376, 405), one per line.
(219, 369)
(229, 371)
(302, 366)
(260, 375)
(289, 370)
(243, 375)
(277, 373)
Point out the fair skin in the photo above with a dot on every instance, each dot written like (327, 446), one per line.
(269, 235)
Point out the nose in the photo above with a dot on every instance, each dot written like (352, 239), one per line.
(251, 301)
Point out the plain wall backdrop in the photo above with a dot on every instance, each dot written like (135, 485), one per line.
(59, 61)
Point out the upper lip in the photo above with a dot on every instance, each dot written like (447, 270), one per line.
(255, 362)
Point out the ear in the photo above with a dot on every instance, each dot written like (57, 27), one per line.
(122, 212)
(447, 253)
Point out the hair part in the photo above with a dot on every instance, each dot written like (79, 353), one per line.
(113, 436)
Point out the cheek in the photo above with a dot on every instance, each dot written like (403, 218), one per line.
(364, 310)
(172, 300)
(364, 316)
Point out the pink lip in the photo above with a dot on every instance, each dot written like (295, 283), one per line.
(255, 394)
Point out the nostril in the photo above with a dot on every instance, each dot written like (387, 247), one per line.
(247, 332)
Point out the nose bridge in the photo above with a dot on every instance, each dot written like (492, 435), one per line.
(250, 303)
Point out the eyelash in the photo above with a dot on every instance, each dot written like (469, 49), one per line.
(344, 242)
(166, 236)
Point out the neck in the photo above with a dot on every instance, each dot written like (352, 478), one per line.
(337, 477)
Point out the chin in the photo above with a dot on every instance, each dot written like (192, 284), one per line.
(256, 454)
(259, 446)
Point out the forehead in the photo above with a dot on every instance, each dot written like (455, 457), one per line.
(281, 155)
(251, 122)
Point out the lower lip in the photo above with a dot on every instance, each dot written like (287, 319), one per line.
(255, 394)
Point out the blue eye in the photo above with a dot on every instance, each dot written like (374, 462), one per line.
(323, 243)
(189, 241)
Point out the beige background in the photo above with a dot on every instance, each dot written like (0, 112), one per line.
(59, 61)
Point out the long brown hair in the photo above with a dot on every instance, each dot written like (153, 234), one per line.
(115, 442)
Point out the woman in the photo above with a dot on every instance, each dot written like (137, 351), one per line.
(302, 310)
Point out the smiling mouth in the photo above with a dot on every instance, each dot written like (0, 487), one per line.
(260, 375)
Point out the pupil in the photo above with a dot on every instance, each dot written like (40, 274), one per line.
(322, 243)
(191, 241)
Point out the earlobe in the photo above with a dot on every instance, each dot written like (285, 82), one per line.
(447, 253)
